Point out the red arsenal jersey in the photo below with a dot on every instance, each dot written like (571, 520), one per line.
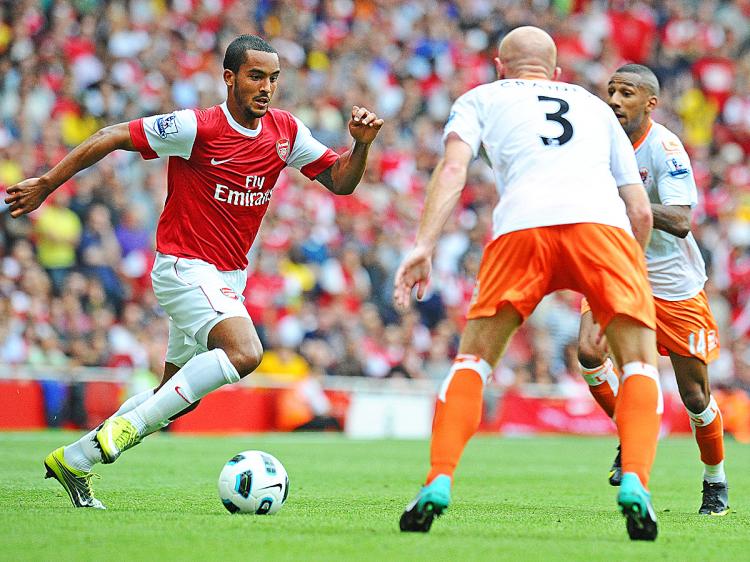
(221, 176)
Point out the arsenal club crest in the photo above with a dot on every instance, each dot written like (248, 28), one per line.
(282, 148)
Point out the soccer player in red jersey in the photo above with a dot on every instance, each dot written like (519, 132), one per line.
(223, 164)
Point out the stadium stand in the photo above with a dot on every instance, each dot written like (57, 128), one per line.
(74, 278)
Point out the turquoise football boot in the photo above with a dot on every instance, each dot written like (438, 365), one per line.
(635, 504)
(430, 502)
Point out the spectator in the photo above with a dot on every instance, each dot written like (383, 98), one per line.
(65, 68)
(100, 252)
(131, 233)
(58, 232)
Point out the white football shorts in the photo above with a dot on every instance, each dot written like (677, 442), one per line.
(196, 296)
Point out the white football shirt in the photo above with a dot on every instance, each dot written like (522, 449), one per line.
(675, 266)
(557, 152)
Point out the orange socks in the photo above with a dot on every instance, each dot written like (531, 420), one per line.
(638, 417)
(603, 384)
(709, 434)
(457, 413)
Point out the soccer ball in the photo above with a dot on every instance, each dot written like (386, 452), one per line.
(253, 482)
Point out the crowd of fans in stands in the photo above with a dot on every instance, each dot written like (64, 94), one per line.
(74, 276)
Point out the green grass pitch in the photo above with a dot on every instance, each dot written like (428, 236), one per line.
(514, 499)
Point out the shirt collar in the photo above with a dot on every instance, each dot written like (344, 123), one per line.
(637, 144)
(239, 128)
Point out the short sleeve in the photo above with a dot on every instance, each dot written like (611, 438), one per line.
(674, 176)
(160, 136)
(622, 160)
(309, 155)
(464, 120)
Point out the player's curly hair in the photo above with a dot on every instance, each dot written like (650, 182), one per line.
(235, 53)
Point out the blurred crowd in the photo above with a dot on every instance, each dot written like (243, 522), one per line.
(74, 276)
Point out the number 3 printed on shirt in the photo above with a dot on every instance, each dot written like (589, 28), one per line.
(557, 116)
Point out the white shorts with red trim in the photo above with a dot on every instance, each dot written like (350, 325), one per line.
(196, 296)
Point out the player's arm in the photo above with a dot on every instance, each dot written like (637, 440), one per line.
(674, 219)
(345, 174)
(639, 212)
(443, 192)
(675, 184)
(27, 195)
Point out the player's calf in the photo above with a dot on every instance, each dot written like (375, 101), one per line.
(603, 385)
(596, 367)
(708, 429)
(187, 410)
(202, 374)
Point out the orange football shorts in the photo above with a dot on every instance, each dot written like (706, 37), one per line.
(603, 262)
(685, 327)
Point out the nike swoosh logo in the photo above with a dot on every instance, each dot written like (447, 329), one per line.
(216, 162)
(177, 390)
(279, 486)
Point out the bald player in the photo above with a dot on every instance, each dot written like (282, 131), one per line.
(686, 331)
(573, 214)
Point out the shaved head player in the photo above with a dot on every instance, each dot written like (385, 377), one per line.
(573, 214)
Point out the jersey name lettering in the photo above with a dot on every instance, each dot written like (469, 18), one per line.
(220, 177)
(254, 182)
(241, 198)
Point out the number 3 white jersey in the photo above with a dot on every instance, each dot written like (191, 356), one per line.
(675, 266)
(557, 151)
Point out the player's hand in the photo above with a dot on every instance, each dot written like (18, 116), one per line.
(26, 196)
(414, 270)
(364, 125)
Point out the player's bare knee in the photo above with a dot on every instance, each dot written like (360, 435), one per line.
(246, 359)
(589, 356)
(695, 400)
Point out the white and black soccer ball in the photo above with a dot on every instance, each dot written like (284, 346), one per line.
(253, 482)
